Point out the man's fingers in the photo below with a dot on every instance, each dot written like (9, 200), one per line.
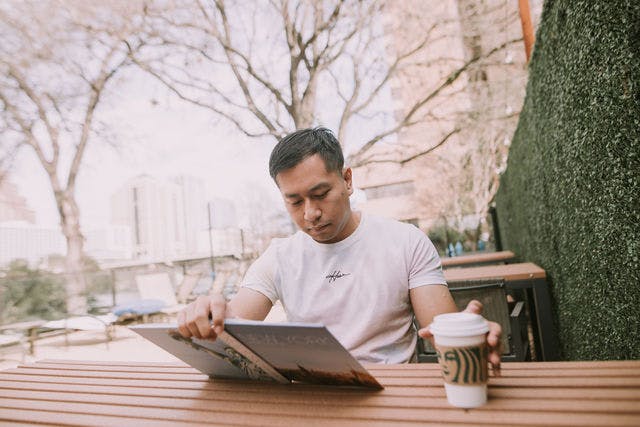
(197, 318)
(203, 318)
(495, 346)
(425, 333)
(218, 308)
(474, 306)
(494, 360)
(182, 324)
(495, 333)
(190, 321)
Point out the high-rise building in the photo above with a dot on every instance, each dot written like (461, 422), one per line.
(164, 216)
(109, 243)
(222, 213)
(194, 217)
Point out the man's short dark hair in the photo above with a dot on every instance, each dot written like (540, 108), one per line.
(297, 146)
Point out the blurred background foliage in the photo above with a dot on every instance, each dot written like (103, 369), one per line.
(30, 294)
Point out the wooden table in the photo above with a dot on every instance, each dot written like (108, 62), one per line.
(479, 258)
(161, 394)
(533, 280)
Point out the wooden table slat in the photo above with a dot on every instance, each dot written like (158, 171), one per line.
(507, 371)
(477, 258)
(41, 417)
(518, 271)
(189, 376)
(399, 393)
(262, 403)
(337, 415)
(605, 364)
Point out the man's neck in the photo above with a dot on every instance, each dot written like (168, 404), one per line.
(354, 221)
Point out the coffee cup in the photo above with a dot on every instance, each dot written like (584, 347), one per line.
(460, 341)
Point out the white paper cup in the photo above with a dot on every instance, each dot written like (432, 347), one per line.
(462, 353)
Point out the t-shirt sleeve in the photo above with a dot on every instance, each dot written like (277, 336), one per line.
(425, 267)
(261, 275)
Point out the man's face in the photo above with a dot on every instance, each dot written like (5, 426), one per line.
(318, 200)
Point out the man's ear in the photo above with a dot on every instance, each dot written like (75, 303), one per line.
(348, 179)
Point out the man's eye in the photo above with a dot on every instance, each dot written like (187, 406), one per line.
(296, 203)
(321, 196)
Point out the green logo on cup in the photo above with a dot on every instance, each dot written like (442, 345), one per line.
(464, 365)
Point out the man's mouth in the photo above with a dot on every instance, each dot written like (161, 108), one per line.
(318, 228)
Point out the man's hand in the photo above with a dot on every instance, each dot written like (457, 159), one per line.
(203, 318)
(493, 336)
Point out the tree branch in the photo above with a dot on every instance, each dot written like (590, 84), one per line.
(27, 129)
(97, 87)
(451, 78)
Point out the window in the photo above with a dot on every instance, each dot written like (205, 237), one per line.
(389, 190)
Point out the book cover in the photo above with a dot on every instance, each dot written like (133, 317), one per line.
(282, 352)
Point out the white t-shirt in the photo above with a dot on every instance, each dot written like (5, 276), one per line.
(358, 287)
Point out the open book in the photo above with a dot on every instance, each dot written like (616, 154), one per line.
(282, 352)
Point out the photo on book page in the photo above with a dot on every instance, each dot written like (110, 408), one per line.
(214, 358)
(302, 352)
(283, 352)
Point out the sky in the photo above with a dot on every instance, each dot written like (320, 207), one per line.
(162, 139)
(149, 131)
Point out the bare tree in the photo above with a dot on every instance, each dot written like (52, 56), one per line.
(459, 144)
(496, 93)
(271, 67)
(58, 59)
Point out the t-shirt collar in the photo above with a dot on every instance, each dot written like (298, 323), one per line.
(346, 242)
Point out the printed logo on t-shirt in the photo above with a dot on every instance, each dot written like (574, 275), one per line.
(335, 275)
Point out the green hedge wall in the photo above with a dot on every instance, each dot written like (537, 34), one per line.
(570, 197)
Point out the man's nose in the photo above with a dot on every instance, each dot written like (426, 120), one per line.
(311, 211)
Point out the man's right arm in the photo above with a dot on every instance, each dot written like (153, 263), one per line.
(204, 317)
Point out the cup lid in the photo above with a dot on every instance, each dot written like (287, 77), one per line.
(460, 324)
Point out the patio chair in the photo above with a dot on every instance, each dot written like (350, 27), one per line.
(158, 287)
(491, 293)
(83, 322)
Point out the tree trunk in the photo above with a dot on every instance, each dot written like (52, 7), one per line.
(75, 280)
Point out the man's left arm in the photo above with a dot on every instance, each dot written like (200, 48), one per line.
(430, 300)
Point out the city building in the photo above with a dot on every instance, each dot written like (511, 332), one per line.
(222, 213)
(22, 240)
(193, 218)
(161, 215)
(167, 219)
(109, 243)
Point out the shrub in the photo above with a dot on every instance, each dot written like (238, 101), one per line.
(30, 294)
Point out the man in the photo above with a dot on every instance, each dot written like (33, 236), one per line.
(362, 276)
